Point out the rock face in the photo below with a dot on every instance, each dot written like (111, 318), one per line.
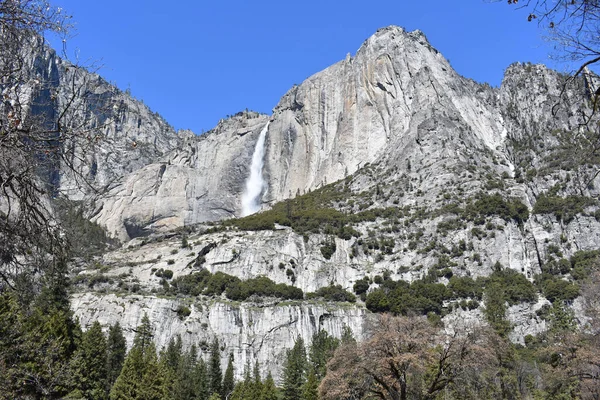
(450, 170)
(201, 181)
(397, 102)
(106, 132)
(391, 99)
(252, 332)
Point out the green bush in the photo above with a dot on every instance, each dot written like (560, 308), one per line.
(183, 312)
(205, 283)
(555, 288)
(515, 286)
(332, 293)
(563, 208)
(361, 286)
(583, 263)
(328, 249)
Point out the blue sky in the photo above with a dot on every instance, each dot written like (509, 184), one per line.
(196, 61)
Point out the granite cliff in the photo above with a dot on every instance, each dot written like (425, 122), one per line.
(385, 166)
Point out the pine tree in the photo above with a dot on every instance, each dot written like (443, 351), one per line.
(173, 352)
(157, 378)
(185, 385)
(495, 308)
(294, 371)
(228, 380)
(347, 335)
(269, 390)
(243, 389)
(141, 376)
(116, 349)
(200, 380)
(310, 389)
(321, 350)
(215, 375)
(89, 370)
(257, 385)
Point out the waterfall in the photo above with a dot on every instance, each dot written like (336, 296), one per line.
(255, 182)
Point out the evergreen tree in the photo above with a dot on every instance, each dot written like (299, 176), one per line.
(36, 343)
(171, 357)
(157, 380)
(88, 366)
(257, 385)
(310, 390)
(200, 380)
(116, 350)
(321, 350)
(228, 380)
(243, 389)
(495, 308)
(173, 352)
(269, 390)
(294, 371)
(141, 376)
(185, 386)
(215, 375)
(347, 335)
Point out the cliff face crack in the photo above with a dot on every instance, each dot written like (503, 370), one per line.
(276, 328)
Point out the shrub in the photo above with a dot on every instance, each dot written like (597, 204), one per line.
(361, 286)
(328, 249)
(183, 311)
(332, 293)
(563, 208)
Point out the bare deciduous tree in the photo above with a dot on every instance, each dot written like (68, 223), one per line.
(408, 357)
(36, 130)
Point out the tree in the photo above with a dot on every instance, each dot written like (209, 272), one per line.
(141, 376)
(294, 371)
(116, 350)
(37, 120)
(495, 308)
(89, 365)
(215, 375)
(310, 389)
(321, 350)
(269, 390)
(228, 380)
(200, 379)
(407, 357)
(36, 344)
(572, 24)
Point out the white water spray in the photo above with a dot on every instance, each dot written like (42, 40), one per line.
(255, 182)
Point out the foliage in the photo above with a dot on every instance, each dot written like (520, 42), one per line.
(495, 308)
(141, 376)
(89, 371)
(515, 287)
(321, 350)
(294, 371)
(583, 263)
(332, 293)
(203, 282)
(555, 288)
(116, 348)
(228, 381)
(313, 213)
(214, 374)
(406, 358)
(328, 249)
(563, 208)
(37, 341)
(487, 205)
